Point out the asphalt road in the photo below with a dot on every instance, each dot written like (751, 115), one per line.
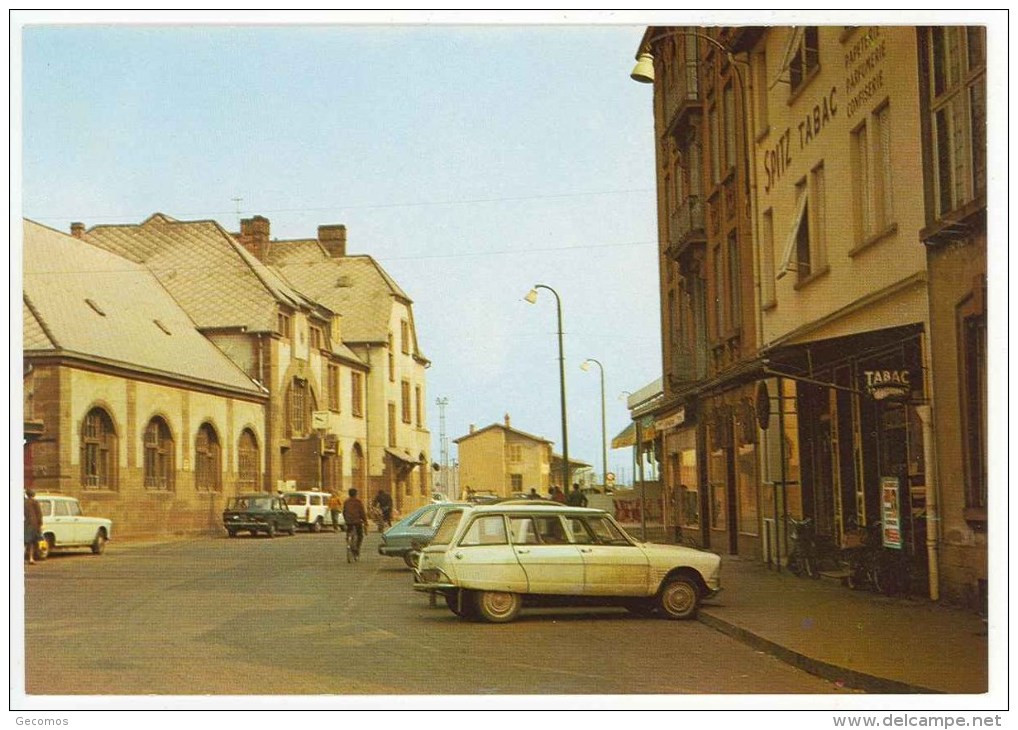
(289, 616)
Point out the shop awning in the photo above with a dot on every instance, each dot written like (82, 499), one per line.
(626, 437)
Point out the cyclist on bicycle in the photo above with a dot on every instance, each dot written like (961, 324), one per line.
(356, 519)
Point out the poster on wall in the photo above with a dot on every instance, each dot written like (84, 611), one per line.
(890, 512)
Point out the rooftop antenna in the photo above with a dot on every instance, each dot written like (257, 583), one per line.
(237, 202)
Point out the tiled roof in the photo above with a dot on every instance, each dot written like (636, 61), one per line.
(212, 276)
(354, 286)
(35, 337)
(87, 301)
(297, 251)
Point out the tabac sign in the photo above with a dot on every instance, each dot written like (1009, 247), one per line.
(888, 384)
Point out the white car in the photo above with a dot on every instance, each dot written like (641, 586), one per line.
(312, 510)
(485, 559)
(64, 526)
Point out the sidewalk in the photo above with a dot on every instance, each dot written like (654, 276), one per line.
(866, 641)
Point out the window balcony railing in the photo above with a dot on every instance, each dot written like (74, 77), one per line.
(682, 93)
(685, 221)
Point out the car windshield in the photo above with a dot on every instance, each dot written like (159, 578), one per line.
(447, 528)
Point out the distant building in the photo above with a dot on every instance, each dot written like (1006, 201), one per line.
(127, 406)
(504, 460)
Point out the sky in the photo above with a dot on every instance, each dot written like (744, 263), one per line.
(471, 161)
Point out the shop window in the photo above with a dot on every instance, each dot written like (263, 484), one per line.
(689, 493)
(158, 459)
(98, 451)
(746, 481)
(718, 489)
(206, 459)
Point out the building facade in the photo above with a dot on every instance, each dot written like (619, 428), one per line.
(114, 415)
(504, 460)
(378, 327)
(808, 335)
(952, 84)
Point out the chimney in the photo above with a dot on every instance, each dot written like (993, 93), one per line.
(472, 428)
(333, 239)
(254, 235)
(507, 420)
(77, 229)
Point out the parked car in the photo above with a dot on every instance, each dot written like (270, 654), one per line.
(256, 513)
(486, 559)
(312, 510)
(64, 526)
(406, 537)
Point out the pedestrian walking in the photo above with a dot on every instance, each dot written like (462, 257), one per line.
(576, 498)
(384, 504)
(335, 509)
(33, 526)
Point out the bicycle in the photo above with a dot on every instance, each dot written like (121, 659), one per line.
(802, 559)
(354, 537)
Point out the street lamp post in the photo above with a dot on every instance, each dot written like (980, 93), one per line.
(604, 440)
(531, 297)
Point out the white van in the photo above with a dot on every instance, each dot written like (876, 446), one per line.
(312, 510)
(64, 526)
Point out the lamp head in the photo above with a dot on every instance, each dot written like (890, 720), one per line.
(644, 69)
(585, 365)
(531, 296)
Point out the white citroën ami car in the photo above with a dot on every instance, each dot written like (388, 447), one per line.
(486, 559)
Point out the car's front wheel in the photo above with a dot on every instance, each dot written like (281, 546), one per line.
(497, 607)
(293, 530)
(271, 532)
(679, 598)
(231, 533)
(99, 544)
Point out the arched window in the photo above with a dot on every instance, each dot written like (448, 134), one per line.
(206, 459)
(247, 462)
(98, 451)
(301, 403)
(158, 444)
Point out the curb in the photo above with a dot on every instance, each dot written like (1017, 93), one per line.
(831, 672)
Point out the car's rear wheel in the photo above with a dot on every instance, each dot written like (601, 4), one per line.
(293, 530)
(410, 559)
(679, 598)
(231, 533)
(316, 526)
(99, 544)
(271, 532)
(497, 607)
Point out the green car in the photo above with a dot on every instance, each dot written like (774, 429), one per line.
(256, 513)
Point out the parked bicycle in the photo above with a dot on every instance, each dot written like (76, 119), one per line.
(802, 558)
(889, 571)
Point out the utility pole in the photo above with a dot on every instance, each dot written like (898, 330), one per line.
(443, 443)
